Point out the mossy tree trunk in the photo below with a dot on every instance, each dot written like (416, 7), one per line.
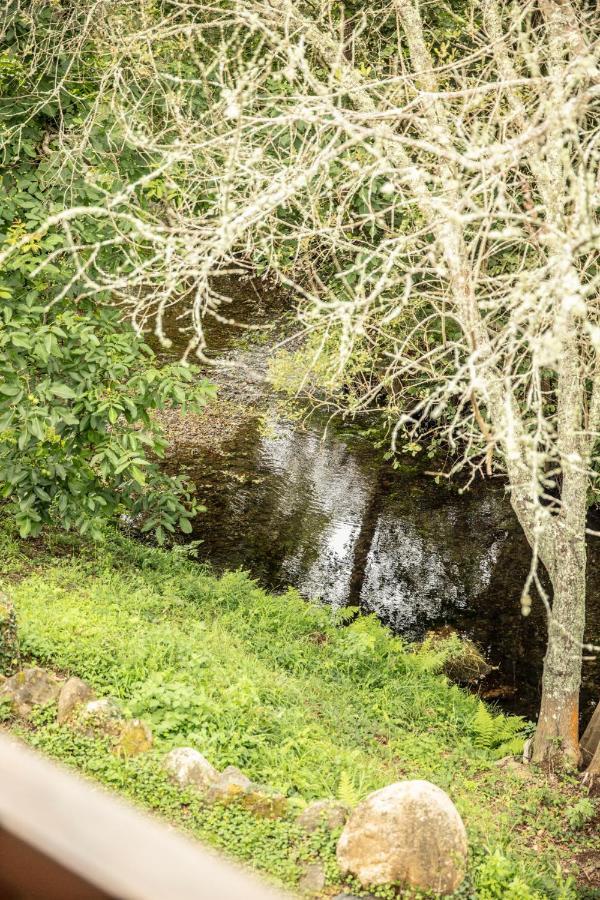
(557, 734)
(557, 731)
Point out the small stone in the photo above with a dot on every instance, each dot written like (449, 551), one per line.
(230, 785)
(135, 738)
(312, 879)
(264, 803)
(409, 832)
(328, 813)
(100, 717)
(9, 643)
(235, 787)
(30, 688)
(74, 692)
(190, 769)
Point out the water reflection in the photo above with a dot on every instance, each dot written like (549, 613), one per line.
(320, 511)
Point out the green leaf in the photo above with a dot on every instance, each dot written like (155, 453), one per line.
(185, 525)
(10, 390)
(25, 527)
(63, 391)
(22, 341)
(138, 475)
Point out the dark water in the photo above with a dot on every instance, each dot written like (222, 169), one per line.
(316, 508)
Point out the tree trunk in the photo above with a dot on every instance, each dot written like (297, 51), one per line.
(557, 735)
(590, 740)
(591, 777)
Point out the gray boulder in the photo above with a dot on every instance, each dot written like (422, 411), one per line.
(190, 769)
(229, 785)
(30, 688)
(73, 693)
(409, 832)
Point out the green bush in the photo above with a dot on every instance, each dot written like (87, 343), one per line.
(77, 441)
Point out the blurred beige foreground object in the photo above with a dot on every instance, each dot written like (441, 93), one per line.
(62, 838)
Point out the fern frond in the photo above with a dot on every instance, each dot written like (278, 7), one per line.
(484, 728)
(347, 792)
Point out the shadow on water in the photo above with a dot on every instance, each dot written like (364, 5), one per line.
(317, 508)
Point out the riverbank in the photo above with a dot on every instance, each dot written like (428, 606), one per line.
(298, 498)
(273, 685)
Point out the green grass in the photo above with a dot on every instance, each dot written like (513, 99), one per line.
(274, 685)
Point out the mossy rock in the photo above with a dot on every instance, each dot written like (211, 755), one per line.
(29, 689)
(233, 786)
(99, 718)
(9, 643)
(135, 738)
(263, 802)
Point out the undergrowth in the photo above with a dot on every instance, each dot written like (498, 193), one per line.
(275, 686)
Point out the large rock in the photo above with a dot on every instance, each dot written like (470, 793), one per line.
(9, 645)
(73, 693)
(30, 688)
(190, 769)
(328, 813)
(409, 832)
(135, 738)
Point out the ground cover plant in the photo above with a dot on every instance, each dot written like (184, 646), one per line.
(293, 696)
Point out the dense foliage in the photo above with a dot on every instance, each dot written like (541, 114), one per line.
(78, 441)
(275, 686)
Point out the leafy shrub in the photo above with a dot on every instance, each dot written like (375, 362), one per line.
(77, 441)
(171, 707)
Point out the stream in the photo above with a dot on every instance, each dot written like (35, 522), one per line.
(315, 507)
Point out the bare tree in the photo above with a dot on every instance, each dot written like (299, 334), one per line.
(433, 200)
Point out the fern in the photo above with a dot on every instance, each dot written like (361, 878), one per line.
(347, 792)
(345, 614)
(484, 728)
(502, 734)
